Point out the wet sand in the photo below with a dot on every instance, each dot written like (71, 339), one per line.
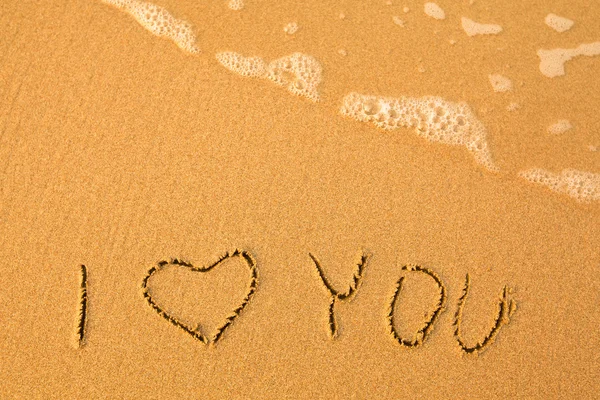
(119, 151)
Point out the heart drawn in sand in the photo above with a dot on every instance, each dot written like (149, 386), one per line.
(195, 332)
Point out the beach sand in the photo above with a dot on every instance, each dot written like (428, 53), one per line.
(119, 150)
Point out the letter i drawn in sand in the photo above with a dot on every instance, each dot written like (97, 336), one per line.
(82, 314)
(335, 295)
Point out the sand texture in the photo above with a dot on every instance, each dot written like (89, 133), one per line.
(174, 229)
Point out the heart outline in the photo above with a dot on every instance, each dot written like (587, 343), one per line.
(194, 332)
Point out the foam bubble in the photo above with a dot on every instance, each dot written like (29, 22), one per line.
(235, 5)
(291, 28)
(513, 106)
(473, 28)
(559, 24)
(406, 10)
(559, 127)
(552, 62)
(398, 21)
(160, 22)
(434, 11)
(299, 73)
(580, 185)
(500, 83)
(433, 118)
(245, 66)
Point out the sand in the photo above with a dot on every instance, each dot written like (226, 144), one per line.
(123, 153)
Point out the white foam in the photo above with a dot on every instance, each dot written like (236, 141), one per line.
(580, 185)
(298, 73)
(500, 83)
(552, 62)
(561, 126)
(473, 28)
(433, 118)
(514, 106)
(434, 11)
(398, 21)
(160, 22)
(291, 28)
(235, 5)
(559, 24)
(245, 66)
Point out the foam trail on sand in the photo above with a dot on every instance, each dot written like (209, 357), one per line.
(299, 73)
(291, 28)
(434, 11)
(552, 62)
(559, 24)
(235, 5)
(473, 28)
(561, 126)
(500, 83)
(244, 66)
(160, 22)
(433, 118)
(398, 21)
(580, 185)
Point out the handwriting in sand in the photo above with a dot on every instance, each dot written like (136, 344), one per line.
(506, 305)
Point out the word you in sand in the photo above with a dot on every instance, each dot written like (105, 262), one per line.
(506, 305)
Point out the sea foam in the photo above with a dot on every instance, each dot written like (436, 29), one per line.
(500, 83)
(433, 118)
(561, 126)
(160, 22)
(434, 11)
(299, 73)
(552, 62)
(473, 28)
(559, 24)
(235, 5)
(291, 28)
(580, 185)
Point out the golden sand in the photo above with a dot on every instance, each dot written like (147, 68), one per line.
(173, 229)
